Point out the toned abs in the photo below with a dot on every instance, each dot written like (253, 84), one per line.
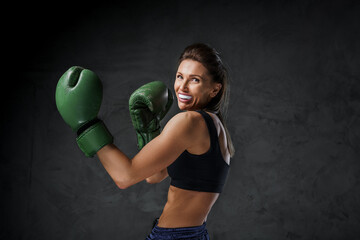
(186, 208)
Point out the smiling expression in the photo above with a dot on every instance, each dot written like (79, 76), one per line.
(193, 85)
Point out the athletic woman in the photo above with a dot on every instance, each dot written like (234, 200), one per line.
(193, 149)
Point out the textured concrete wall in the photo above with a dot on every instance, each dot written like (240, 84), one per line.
(294, 116)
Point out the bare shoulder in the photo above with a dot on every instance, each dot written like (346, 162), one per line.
(188, 118)
(191, 115)
(186, 123)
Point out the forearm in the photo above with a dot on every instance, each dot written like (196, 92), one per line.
(153, 158)
(117, 164)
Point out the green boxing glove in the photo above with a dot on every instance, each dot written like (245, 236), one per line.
(78, 99)
(148, 105)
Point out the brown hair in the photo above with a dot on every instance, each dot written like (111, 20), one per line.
(211, 60)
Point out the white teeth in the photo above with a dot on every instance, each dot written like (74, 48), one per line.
(184, 96)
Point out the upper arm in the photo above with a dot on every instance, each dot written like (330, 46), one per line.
(178, 134)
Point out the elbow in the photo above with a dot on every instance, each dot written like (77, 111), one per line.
(123, 183)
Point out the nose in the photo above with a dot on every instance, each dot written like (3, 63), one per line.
(184, 85)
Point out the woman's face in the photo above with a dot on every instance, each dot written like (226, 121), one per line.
(193, 85)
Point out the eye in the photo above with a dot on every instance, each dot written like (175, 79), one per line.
(179, 76)
(196, 80)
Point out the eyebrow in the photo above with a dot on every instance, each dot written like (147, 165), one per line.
(193, 75)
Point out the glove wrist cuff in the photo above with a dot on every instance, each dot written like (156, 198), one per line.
(94, 138)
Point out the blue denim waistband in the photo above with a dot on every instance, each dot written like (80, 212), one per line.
(198, 232)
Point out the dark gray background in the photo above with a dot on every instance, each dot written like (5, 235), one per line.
(294, 116)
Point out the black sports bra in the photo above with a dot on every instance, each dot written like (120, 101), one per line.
(206, 172)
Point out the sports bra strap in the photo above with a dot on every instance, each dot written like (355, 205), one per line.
(211, 127)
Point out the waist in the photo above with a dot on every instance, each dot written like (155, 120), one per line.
(186, 208)
(169, 220)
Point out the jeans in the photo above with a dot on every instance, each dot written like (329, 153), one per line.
(190, 233)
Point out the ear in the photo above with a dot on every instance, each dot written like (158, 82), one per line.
(216, 89)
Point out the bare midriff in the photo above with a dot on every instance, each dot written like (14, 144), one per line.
(186, 208)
